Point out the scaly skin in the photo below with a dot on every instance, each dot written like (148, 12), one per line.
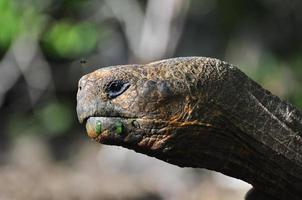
(198, 112)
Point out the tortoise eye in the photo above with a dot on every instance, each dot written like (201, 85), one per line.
(116, 88)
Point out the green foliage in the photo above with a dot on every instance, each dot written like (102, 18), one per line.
(10, 23)
(52, 120)
(68, 40)
(56, 117)
(16, 19)
(61, 39)
(296, 65)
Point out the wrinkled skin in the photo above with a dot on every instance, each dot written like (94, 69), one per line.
(197, 112)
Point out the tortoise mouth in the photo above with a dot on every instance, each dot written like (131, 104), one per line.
(101, 126)
(112, 130)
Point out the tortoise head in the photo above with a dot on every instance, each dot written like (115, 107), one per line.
(149, 108)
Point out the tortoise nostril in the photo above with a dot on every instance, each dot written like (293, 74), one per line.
(116, 88)
(82, 82)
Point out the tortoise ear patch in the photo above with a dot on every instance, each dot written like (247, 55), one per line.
(148, 88)
(156, 90)
(164, 89)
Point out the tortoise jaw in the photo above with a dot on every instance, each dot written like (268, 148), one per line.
(96, 126)
(121, 131)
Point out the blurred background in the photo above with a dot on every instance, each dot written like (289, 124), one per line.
(46, 46)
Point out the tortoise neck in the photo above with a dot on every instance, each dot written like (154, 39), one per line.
(272, 131)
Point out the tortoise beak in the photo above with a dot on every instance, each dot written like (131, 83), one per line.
(86, 100)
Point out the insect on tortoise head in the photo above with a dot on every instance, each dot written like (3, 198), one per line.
(146, 107)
